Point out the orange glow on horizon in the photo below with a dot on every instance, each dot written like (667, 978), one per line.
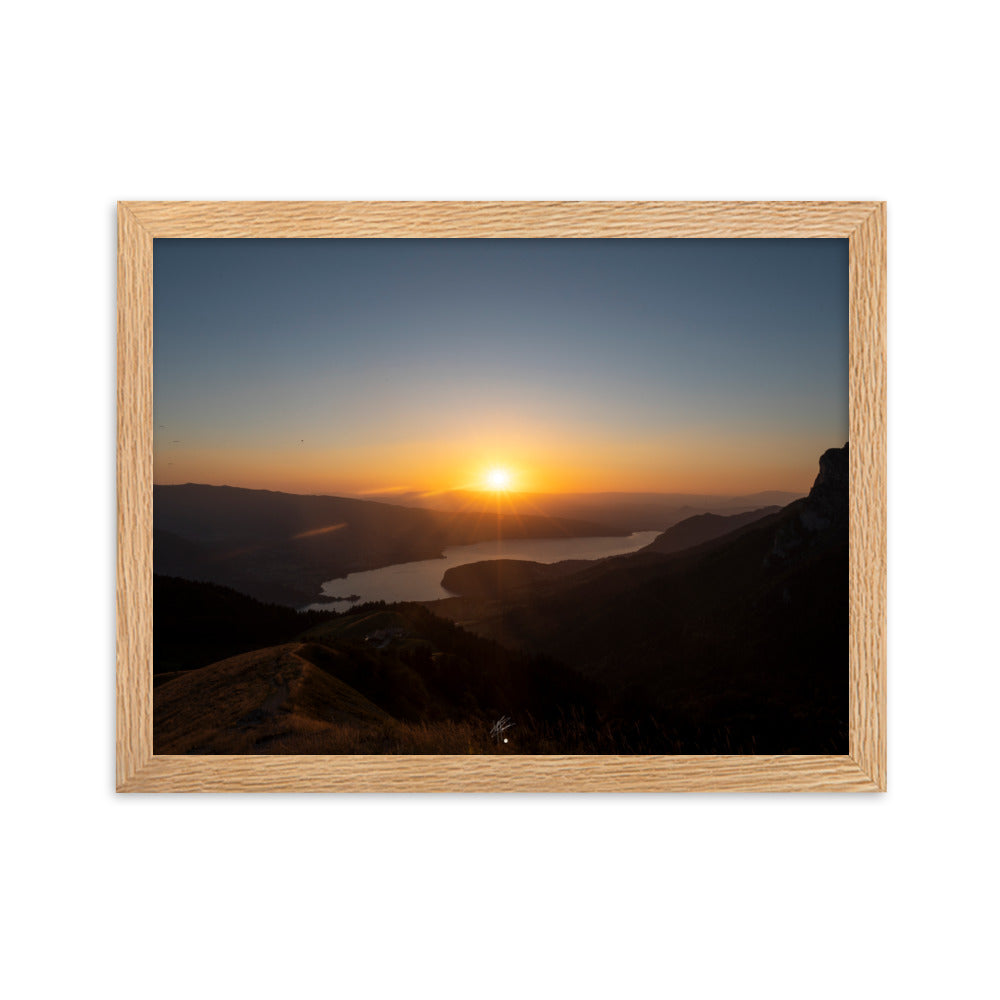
(695, 467)
(399, 370)
(524, 458)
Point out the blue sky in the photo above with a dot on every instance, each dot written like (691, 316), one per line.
(353, 365)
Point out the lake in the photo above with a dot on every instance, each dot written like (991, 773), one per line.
(421, 581)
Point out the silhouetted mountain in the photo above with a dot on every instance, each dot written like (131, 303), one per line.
(822, 516)
(497, 579)
(703, 528)
(740, 643)
(282, 547)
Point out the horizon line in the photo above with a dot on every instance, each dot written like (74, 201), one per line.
(423, 494)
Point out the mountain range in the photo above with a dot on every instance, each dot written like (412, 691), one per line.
(728, 634)
(749, 626)
(621, 512)
(282, 547)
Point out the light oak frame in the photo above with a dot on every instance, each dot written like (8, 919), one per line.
(863, 768)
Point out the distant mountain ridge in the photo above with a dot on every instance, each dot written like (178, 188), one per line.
(496, 578)
(622, 511)
(703, 528)
(282, 546)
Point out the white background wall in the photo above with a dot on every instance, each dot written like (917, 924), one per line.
(700, 896)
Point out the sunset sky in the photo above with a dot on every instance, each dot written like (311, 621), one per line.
(373, 366)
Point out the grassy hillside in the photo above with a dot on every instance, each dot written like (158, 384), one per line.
(242, 703)
(393, 676)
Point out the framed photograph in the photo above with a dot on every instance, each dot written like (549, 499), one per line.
(501, 496)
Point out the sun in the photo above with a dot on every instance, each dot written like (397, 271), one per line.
(498, 479)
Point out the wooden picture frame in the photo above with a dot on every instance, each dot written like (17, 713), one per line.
(863, 224)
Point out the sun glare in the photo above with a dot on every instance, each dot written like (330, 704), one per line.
(498, 479)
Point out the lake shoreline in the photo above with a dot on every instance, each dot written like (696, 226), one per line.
(421, 580)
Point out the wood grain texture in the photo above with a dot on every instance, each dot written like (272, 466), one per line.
(426, 773)
(862, 223)
(644, 220)
(134, 582)
(867, 404)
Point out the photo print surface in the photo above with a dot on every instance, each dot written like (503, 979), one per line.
(500, 496)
